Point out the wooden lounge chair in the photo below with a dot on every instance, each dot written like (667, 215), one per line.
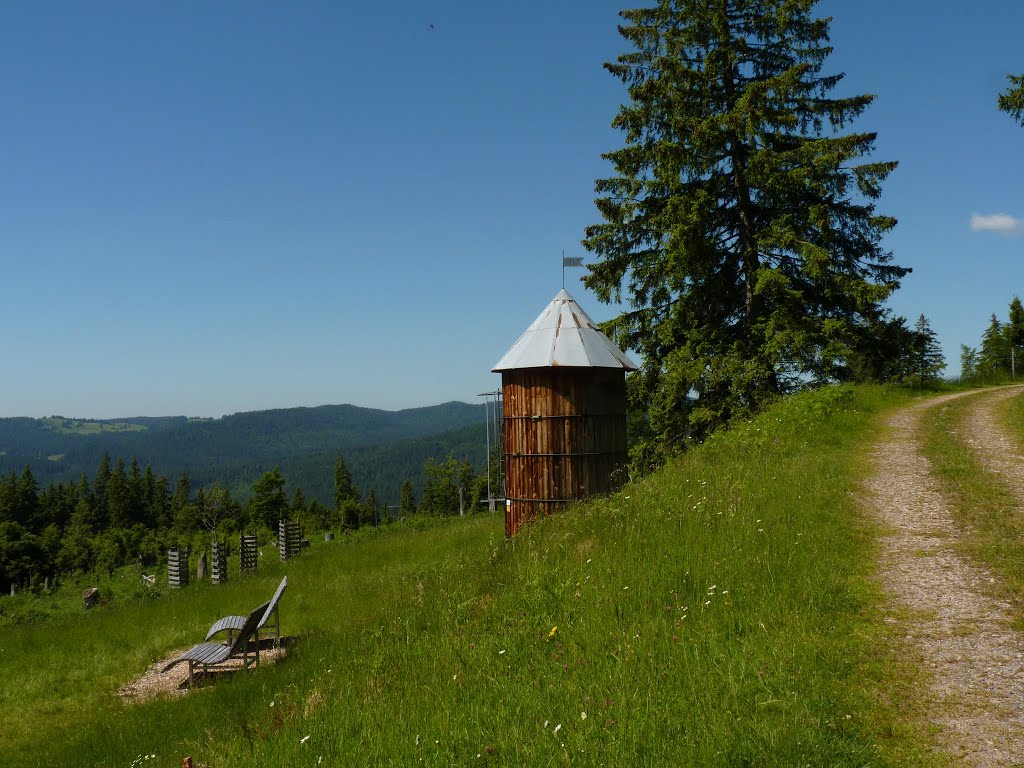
(208, 655)
(232, 624)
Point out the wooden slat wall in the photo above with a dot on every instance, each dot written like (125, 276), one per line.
(565, 438)
(249, 551)
(218, 562)
(177, 568)
(289, 538)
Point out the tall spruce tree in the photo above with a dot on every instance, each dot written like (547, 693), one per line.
(968, 362)
(100, 489)
(1011, 100)
(298, 506)
(929, 361)
(344, 489)
(739, 225)
(119, 496)
(268, 503)
(370, 514)
(1014, 330)
(29, 512)
(994, 360)
(407, 500)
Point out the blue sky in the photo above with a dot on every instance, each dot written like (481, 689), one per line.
(210, 208)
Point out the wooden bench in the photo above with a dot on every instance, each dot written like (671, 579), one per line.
(207, 655)
(231, 624)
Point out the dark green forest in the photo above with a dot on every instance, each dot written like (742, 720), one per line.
(999, 357)
(217, 478)
(382, 448)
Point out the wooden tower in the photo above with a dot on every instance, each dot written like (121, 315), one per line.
(564, 415)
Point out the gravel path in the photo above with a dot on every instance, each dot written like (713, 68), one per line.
(996, 450)
(960, 632)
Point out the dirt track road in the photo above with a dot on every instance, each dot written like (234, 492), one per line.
(962, 634)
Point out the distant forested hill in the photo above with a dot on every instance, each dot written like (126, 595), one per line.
(382, 448)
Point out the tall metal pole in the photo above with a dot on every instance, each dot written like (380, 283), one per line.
(487, 425)
(501, 464)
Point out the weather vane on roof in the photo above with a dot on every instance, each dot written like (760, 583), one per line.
(570, 261)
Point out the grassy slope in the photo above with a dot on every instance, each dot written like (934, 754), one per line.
(719, 613)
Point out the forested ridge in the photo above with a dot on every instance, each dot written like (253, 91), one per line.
(383, 448)
(214, 478)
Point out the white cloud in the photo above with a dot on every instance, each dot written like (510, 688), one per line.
(996, 222)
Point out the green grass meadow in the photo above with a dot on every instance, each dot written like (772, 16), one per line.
(720, 612)
(64, 426)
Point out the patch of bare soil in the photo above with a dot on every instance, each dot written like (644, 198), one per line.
(962, 634)
(154, 682)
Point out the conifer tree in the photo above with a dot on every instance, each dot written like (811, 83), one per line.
(994, 360)
(160, 507)
(1011, 100)
(136, 492)
(8, 497)
(28, 509)
(1014, 330)
(119, 496)
(147, 497)
(298, 505)
(407, 500)
(740, 224)
(100, 490)
(929, 361)
(76, 548)
(968, 362)
(370, 512)
(319, 515)
(181, 504)
(350, 513)
(344, 490)
(269, 503)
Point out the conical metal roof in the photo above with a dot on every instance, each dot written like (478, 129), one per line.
(563, 336)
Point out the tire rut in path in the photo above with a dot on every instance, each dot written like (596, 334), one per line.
(997, 451)
(963, 635)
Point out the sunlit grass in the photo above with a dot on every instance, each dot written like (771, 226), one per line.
(721, 612)
(64, 426)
